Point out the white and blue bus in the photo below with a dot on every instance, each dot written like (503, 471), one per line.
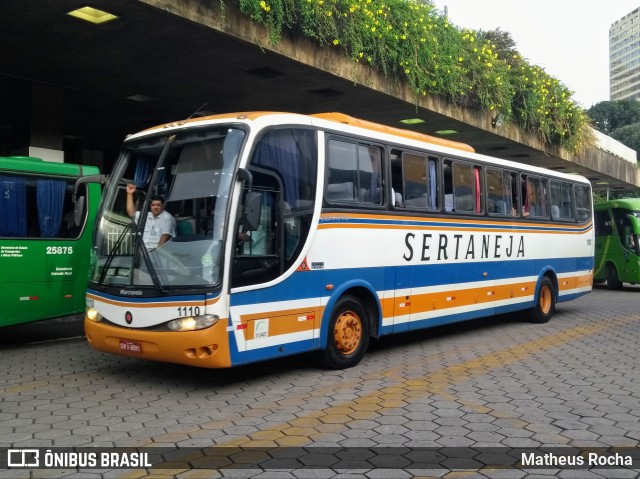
(300, 233)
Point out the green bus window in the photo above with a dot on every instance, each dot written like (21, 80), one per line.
(37, 207)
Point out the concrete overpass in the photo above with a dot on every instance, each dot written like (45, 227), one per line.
(70, 86)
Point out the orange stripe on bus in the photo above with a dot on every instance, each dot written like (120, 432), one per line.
(284, 321)
(574, 282)
(289, 321)
(442, 300)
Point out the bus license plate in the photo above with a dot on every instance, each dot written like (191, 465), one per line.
(130, 346)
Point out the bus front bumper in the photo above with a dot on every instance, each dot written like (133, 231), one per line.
(205, 348)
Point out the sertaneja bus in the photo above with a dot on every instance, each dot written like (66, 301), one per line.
(45, 238)
(299, 233)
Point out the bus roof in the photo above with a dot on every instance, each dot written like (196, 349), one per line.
(412, 135)
(627, 203)
(337, 118)
(28, 164)
(440, 145)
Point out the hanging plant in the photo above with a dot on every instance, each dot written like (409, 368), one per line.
(411, 41)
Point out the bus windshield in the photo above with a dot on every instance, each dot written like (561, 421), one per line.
(176, 186)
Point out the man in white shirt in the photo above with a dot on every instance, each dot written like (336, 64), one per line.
(160, 226)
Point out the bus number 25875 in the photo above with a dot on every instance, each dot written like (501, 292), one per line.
(59, 249)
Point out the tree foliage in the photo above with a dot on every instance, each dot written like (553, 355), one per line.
(608, 116)
(628, 135)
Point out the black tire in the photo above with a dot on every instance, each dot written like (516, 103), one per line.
(545, 303)
(349, 333)
(612, 278)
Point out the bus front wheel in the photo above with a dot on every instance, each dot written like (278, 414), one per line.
(348, 334)
(612, 278)
(545, 304)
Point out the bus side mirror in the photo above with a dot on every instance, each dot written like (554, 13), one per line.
(635, 224)
(80, 202)
(79, 208)
(252, 210)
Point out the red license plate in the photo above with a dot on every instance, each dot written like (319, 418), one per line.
(130, 346)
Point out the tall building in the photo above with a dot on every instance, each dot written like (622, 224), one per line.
(624, 57)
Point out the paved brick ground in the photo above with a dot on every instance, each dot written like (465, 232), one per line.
(498, 383)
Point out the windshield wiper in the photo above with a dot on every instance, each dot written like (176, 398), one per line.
(138, 243)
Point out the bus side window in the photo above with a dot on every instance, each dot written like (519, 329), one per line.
(464, 188)
(420, 181)
(341, 163)
(534, 192)
(561, 200)
(583, 202)
(354, 173)
(72, 224)
(36, 208)
(13, 207)
(370, 174)
(624, 228)
(603, 223)
(414, 180)
(499, 192)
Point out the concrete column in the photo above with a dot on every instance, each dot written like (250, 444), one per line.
(47, 122)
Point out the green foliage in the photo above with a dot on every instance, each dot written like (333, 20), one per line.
(608, 116)
(410, 41)
(628, 135)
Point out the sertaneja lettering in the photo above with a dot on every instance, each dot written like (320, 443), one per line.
(455, 247)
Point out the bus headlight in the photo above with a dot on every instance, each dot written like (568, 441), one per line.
(93, 315)
(193, 323)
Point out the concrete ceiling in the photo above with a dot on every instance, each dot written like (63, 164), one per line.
(150, 66)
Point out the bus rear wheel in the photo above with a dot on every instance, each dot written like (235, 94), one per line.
(348, 334)
(612, 278)
(545, 304)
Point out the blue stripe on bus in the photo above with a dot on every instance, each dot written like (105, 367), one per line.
(276, 351)
(307, 284)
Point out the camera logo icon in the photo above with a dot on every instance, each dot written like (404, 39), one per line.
(23, 458)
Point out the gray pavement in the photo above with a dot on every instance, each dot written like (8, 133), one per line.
(493, 386)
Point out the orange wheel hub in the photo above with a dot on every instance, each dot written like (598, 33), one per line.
(546, 300)
(348, 332)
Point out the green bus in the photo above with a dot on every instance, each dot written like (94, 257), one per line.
(46, 225)
(617, 252)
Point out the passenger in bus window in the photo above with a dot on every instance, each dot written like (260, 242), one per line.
(160, 226)
(529, 207)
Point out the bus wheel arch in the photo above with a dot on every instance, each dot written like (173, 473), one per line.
(546, 298)
(351, 322)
